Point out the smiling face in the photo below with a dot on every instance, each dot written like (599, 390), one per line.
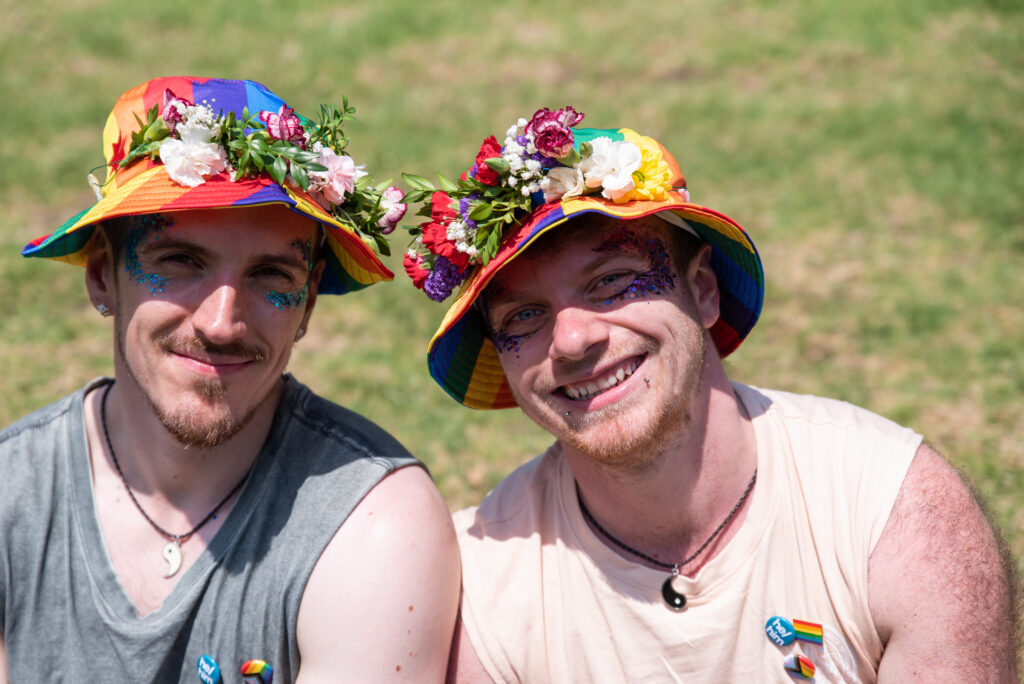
(207, 305)
(601, 332)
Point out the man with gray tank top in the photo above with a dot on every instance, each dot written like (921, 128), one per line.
(202, 516)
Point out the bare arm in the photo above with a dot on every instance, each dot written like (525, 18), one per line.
(3, 661)
(465, 666)
(940, 589)
(381, 602)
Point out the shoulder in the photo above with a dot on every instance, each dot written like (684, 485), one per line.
(938, 571)
(43, 420)
(395, 563)
(516, 502)
(335, 427)
(819, 412)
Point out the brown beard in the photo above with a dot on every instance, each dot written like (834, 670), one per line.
(635, 453)
(185, 425)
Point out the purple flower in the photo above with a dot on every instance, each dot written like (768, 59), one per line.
(551, 130)
(464, 210)
(442, 279)
(284, 125)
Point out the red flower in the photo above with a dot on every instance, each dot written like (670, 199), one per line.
(414, 269)
(441, 208)
(120, 151)
(488, 150)
(551, 130)
(435, 238)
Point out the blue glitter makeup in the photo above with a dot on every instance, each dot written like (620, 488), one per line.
(286, 300)
(142, 229)
(658, 280)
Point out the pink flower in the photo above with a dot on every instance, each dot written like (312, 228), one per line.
(284, 125)
(551, 130)
(173, 112)
(338, 180)
(391, 202)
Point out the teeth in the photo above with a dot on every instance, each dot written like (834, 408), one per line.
(592, 387)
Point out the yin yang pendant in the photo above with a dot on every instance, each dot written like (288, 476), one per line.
(172, 554)
(673, 598)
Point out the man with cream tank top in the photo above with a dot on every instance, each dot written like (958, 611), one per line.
(683, 526)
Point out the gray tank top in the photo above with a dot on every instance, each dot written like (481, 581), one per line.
(63, 613)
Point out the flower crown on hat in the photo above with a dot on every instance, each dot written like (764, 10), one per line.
(194, 143)
(540, 162)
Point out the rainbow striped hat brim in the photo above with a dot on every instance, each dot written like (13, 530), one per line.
(145, 188)
(464, 361)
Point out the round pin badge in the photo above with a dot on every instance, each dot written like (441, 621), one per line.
(799, 665)
(257, 671)
(209, 670)
(780, 630)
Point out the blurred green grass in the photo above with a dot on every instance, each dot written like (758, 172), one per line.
(872, 149)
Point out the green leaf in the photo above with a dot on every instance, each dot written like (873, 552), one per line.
(298, 174)
(418, 182)
(480, 211)
(446, 184)
(382, 244)
(277, 170)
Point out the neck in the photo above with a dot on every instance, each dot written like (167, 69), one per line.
(161, 469)
(668, 510)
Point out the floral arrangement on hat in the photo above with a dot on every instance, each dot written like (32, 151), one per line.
(194, 143)
(539, 162)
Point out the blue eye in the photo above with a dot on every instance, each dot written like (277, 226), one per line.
(525, 315)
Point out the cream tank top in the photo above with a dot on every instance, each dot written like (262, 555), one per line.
(546, 600)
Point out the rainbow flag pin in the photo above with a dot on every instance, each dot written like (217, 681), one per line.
(799, 665)
(808, 631)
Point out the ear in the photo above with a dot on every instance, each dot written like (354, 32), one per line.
(703, 284)
(100, 281)
(314, 283)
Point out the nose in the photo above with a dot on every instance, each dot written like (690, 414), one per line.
(576, 332)
(219, 317)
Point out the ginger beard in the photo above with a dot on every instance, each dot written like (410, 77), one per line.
(201, 424)
(631, 435)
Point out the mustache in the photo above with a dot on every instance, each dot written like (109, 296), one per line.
(190, 343)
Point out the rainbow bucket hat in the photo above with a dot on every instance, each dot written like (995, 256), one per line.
(142, 184)
(461, 356)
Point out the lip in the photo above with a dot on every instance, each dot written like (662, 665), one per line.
(214, 367)
(609, 395)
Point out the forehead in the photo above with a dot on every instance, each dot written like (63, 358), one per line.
(577, 247)
(234, 230)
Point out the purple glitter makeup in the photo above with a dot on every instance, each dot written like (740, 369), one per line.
(658, 280)
(506, 343)
(142, 229)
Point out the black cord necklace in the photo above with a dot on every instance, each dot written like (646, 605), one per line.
(674, 599)
(172, 549)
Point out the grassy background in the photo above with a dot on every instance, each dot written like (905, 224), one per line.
(872, 149)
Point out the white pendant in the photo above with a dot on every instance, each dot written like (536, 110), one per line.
(172, 554)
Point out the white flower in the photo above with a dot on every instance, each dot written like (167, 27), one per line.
(533, 166)
(456, 230)
(562, 182)
(611, 166)
(193, 158)
(338, 180)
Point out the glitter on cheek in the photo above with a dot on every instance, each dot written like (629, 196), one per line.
(286, 300)
(148, 226)
(508, 343)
